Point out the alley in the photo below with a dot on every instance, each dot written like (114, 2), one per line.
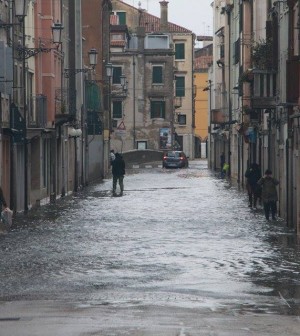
(179, 254)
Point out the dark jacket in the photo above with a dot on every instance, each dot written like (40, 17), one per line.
(118, 166)
(2, 200)
(269, 192)
(253, 175)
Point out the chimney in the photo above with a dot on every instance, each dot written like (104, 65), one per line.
(164, 16)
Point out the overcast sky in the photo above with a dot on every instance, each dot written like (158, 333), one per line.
(196, 15)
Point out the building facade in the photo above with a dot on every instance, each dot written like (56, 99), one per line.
(202, 62)
(257, 54)
(52, 119)
(155, 107)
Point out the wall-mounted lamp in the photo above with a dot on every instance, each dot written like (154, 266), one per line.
(220, 63)
(109, 70)
(25, 52)
(93, 57)
(74, 132)
(92, 60)
(57, 29)
(20, 11)
(123, 82)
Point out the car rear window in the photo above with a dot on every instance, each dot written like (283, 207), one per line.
(173, 154)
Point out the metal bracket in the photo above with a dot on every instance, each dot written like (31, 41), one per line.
(69, 72)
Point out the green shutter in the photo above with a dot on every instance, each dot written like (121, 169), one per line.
(117, 72)
(179, 51)
(117, 109)
(122, 18)
(157, 75)
(158, 109)
(163, 109)
(180, 86)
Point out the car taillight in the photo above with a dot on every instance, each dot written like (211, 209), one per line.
(165, 158)
(181, 158)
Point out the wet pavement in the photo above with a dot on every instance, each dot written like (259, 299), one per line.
(179, 254)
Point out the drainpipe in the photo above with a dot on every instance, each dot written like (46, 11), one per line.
(287, 184)
(298, 26)
(228, 11)
(134, 98)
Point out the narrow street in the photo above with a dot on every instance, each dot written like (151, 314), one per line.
(180, 254)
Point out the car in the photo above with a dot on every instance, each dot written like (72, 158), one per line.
(175, 159)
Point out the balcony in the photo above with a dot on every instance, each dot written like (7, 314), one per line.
(264, 89)
(62, 107)
(177, 102)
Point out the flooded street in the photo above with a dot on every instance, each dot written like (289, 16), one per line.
(180, 242)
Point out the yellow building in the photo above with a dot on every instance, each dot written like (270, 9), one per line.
(203, 58)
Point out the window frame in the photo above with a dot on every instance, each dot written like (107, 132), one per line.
(116, 114)
(180, 117)
(116, 77)
(155, 104)
(179, 53)
(180, 86)
(160, 75)
(122, 17)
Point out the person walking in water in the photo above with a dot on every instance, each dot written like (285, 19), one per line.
(269, 193)
(253, 175)
(118, 172)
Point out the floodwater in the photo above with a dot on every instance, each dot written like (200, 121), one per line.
(180, 238)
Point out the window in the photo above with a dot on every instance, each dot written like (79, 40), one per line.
(117, 72)
(236, 48)
(158, 109)
(141, 144)
(181, 119)
(180, 86)
(179, 51)
(117, 112)
(157, 74)
(157, 42)
(117, 37)
(122, 18)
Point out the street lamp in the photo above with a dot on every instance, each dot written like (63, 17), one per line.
(21, 7)
(92, 60)
(124, 83)
(109, 73)
(109, 70)
(20, 11)
(57, 29)
(93, 57)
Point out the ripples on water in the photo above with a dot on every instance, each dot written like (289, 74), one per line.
(176, 236)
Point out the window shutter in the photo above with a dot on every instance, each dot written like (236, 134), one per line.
(179, 51)
(117, 72)
(180, 87)
(117, 109)
(157, 74)
(122, 18)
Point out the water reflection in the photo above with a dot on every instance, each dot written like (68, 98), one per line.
(178, 238)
